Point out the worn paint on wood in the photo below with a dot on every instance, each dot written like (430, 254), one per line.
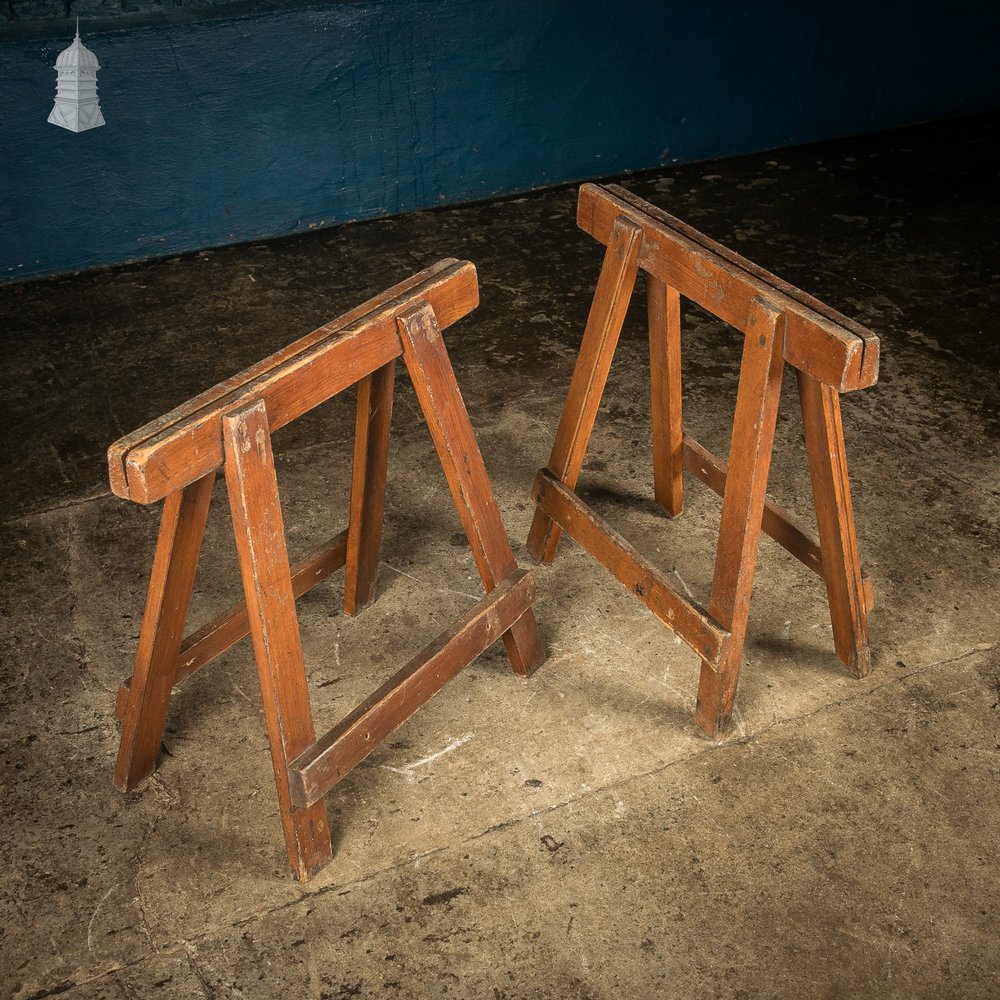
(779, 323)
(164, 457)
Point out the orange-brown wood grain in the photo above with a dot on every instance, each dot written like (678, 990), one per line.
(742, 507)
(216, 636)
(448, 421)
(830, 347)
(664, 324)
(373, 421)
(313, 773)
(186, 444)
(231, 427)
(687, 618)
(848, 593)
(783, 526)
(590, 375)
(267, 585)
(780, 324)
(144, 713)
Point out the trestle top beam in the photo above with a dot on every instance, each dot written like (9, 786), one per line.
(819, 341)
(186, 443)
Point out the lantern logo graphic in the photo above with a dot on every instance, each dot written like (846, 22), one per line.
(76, 106)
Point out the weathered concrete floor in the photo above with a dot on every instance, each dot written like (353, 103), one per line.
(573, 835)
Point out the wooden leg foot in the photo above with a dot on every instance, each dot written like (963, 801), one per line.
(371, 462)
(144, 712)
(267, 584)
(444, 410)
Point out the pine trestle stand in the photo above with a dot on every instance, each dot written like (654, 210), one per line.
(176, 459)
(831, 354)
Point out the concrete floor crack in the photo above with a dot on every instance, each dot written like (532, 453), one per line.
(875, 429)
(56, 508)
(167, 801)
(308, 896)
(189, 952)
(916, 672)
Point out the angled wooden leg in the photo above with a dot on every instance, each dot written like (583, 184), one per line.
(371, 462)
(845, 586)
(444, 410)
(664, 309)
(604, 324)
(743, 507)
(171, 580)
(267, 584)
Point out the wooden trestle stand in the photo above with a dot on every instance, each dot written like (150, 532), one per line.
(229, 427)
(831, 354)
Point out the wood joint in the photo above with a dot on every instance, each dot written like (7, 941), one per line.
(230, 427)
(316, 770)
(780, 324)
(688, 619)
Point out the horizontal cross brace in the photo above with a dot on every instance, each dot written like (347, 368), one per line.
(314, 772)
(830, 347)
(186, 444)
(688, 619)
(784, 527)
(225, 630)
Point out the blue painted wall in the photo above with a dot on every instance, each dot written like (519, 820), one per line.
(226, 129)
